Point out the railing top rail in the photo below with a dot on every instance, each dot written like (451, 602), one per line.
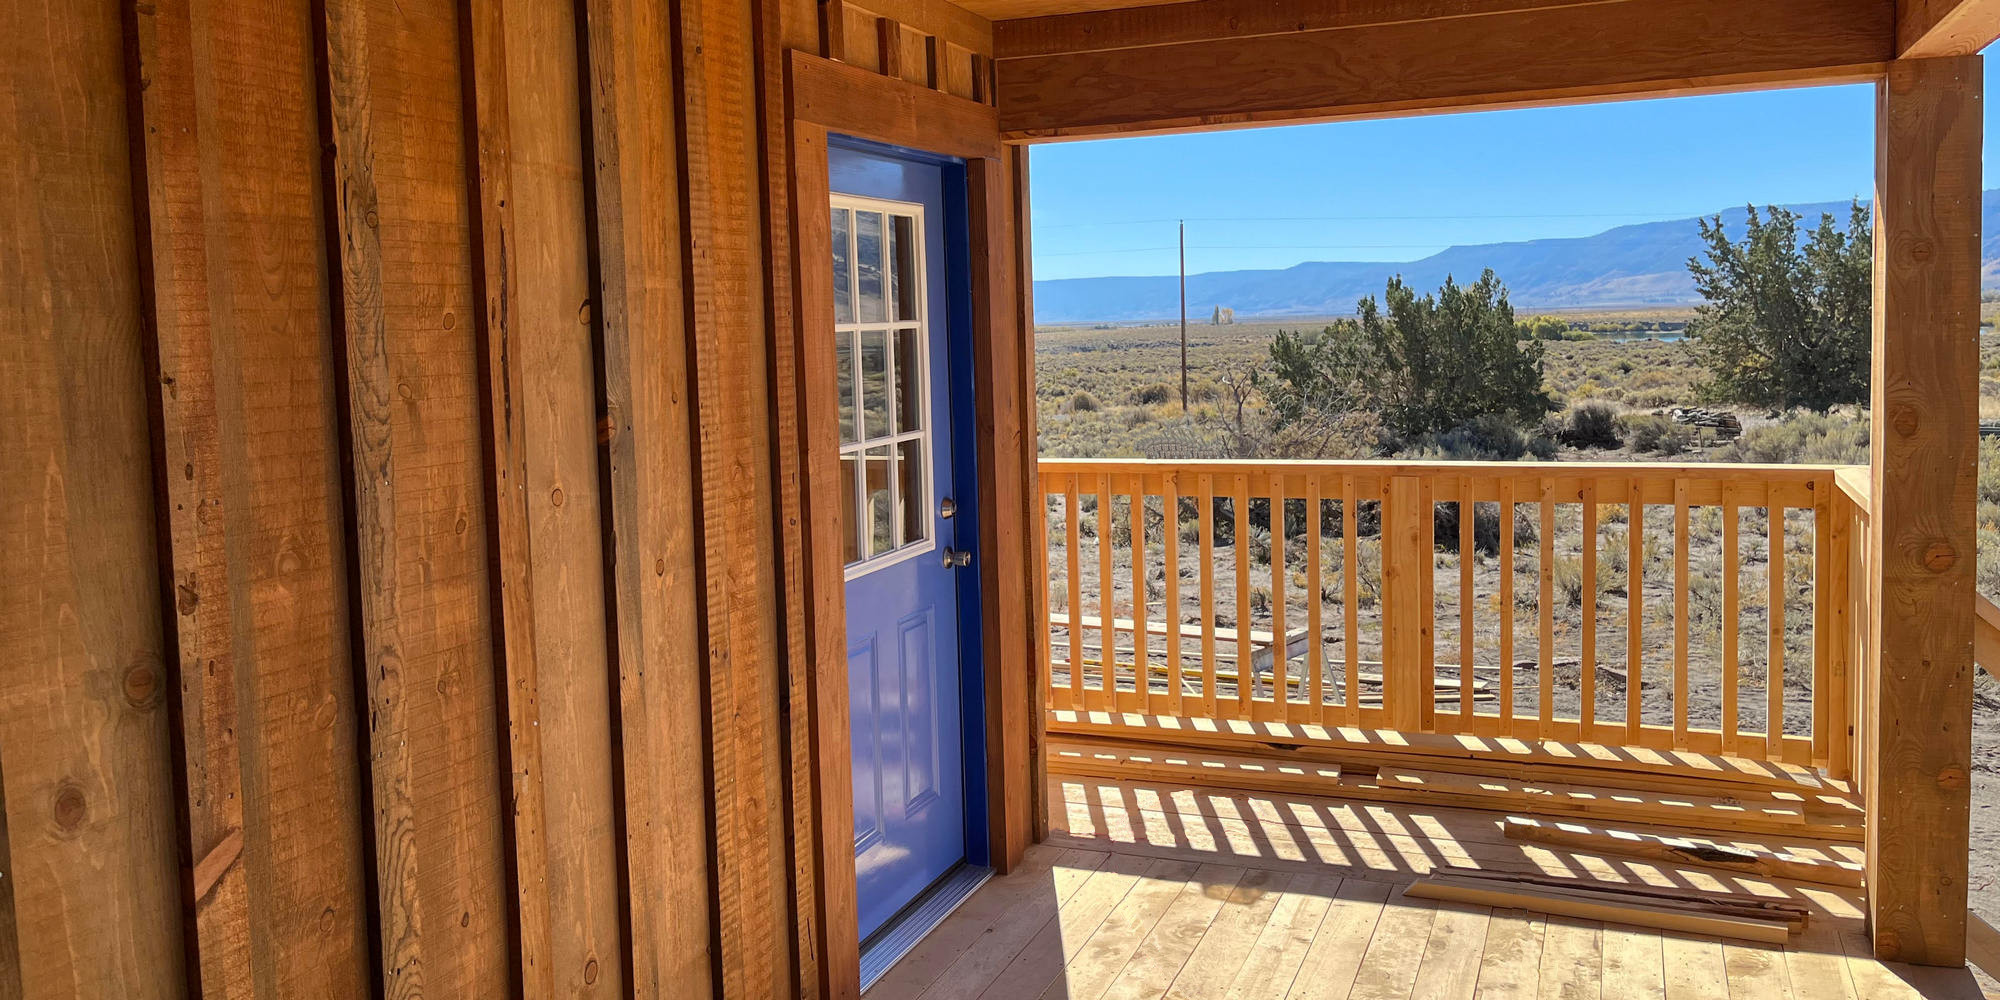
(1655, 470)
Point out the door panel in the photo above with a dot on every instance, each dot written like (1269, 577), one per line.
(896, 414)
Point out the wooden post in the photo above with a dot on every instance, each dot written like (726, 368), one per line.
(1926, 369)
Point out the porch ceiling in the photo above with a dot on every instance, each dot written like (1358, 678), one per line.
(1002, 10)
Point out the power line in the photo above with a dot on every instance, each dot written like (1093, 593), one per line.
(1660, 216)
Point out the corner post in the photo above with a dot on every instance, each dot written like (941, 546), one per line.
(1918, 715)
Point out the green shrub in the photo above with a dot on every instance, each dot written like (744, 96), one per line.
(1802, 437)
(1653, 434)
(1083, 401)
(1152, 394)
(1588, 425)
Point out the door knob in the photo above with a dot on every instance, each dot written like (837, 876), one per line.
(957, 558)
(947, 508)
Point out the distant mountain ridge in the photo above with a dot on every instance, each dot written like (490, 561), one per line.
(1629, 266)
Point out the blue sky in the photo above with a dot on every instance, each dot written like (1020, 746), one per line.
(1404, 188)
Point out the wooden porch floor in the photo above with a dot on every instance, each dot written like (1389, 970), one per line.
(1149, 890)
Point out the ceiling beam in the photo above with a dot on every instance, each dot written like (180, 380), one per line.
(1539, 53)
(1930, 28)
(1214, 20)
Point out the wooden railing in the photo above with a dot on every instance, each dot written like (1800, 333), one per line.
(1622, 604)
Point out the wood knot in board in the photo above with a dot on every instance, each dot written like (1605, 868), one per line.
(69, 809)
(1940, 556)
(450, 320)
(142, 686)
(186, 598)
(1904, 418)
(326, 920)
(590, 972)
(1954, 779)
(556, 497)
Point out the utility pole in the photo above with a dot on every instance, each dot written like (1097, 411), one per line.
(1184, 394)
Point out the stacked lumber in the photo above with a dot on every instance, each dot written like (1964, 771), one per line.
(1771, 921)
(1681, 851)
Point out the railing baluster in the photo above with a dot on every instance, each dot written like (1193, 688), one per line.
(1680, 613)
(1507, 605)
(1142, 671)
(1635, 608)
(1205, 524)
(1316, 650)
(1468, 551)
(1774, 675)
(1823, 626)
(1107, 660)
(1546, 647)
(1246, 680)
(1731, 614)
(1350, 519)
(1587, 656)
(1071, 530)
(1281, 677)
(1170, 509)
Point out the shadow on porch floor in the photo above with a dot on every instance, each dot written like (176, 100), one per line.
(1147, 890)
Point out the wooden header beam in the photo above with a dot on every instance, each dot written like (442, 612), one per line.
(1927, 28)
(1165, 69)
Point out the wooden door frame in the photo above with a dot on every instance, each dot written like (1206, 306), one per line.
(829, 98)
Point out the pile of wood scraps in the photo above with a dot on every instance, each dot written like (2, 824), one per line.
(1771, 921)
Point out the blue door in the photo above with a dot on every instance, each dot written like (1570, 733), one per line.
(893, 345)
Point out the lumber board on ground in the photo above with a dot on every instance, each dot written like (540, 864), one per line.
(1676, 850)
(1614, 911)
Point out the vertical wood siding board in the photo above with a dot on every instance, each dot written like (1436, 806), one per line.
(302, 794)
(645, 460)
(1921, 532)
(357, 310)
(88, 776)
(783, 24)
(511, 566)
(193, 530)
(718, 79)
(415, 463)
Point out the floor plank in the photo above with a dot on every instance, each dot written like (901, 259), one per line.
(1389, 968)
(1038, 876)
(1041, 961)
(1165, 951)
(1006, 934)
(1335, 957)
(1104, 954)
(1450, 966)
(1511, 967)
(1212, 967)
(1756, 970)
(1281, 950)
(1572, 960)
(1694, 967)
(1633, 967)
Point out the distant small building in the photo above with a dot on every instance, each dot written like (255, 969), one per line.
(1224, 316)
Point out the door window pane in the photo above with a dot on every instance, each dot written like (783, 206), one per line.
(903, 266)
(843, 267)
(881, 511)
(874, 383)
(868, 265)
(843, 357)
(909, 382)
(910, 490)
